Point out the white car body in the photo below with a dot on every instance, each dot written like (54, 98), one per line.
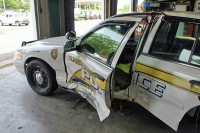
(13, 18)
(162, 87)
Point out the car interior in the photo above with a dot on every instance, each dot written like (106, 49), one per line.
(122, 74)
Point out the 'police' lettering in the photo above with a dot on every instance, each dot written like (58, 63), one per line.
(93, 83)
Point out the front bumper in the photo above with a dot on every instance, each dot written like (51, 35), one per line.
(24, 22)
(19, 65)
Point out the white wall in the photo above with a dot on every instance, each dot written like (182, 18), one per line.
(33, 20)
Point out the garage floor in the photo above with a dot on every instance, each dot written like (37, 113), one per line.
(23, 111)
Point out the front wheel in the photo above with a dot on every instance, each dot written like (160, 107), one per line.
(17, 23)
(41, 78)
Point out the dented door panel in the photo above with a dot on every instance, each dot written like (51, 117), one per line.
(83, 78)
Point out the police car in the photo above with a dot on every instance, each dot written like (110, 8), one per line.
(149, 58)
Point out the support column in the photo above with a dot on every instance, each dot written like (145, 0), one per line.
(54, 17)
(35, 22)
(192, 4)
(106, 9)
(134, 4)
(69, 15)
(113, 7)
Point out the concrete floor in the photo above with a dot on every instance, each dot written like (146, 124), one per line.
(23, 111)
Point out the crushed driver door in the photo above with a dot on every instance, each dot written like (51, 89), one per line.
(89, 68)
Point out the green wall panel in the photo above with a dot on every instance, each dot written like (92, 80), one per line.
(54, 17)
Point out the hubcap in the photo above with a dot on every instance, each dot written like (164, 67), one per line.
(39, 78)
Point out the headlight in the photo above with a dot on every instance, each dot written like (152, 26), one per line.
(18, 55)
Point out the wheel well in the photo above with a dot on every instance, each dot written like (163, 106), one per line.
(192, 112)
(34, 58)
(189, 121)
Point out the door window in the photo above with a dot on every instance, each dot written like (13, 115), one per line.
(137, 34)
(103, 43)
(139, 31)
(196, 55)
(174, 41)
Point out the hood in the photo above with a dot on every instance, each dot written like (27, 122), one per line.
(54, 41)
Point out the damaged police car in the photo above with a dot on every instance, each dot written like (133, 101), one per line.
(149, 58)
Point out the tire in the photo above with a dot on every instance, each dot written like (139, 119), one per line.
(17, 23)
(190, 124)
(41, 78)
(1, 23)
(26, 24)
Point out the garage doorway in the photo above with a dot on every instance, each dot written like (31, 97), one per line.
(15, 27)
(87, 14)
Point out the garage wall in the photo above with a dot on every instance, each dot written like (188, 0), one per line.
(69, 15)
(44, 30)
(54, 17)
(48, 18)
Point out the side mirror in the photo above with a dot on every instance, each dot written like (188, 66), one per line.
(88, 48)
(70, 35)
(70, 46)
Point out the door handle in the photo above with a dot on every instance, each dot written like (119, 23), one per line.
(195, 82)
(99, 76)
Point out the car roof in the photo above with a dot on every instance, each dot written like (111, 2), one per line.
(133, 16)
(137, 16)
(183, 14)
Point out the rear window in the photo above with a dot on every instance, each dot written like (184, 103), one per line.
(196, 55)
(177, 41)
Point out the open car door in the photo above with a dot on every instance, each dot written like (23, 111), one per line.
(89, 66)
(166, 72)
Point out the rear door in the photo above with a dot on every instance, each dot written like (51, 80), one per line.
(90, 67)
(167, 72)
(10, 19)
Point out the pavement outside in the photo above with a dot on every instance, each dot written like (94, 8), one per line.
(11, 38)
(6, 63)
